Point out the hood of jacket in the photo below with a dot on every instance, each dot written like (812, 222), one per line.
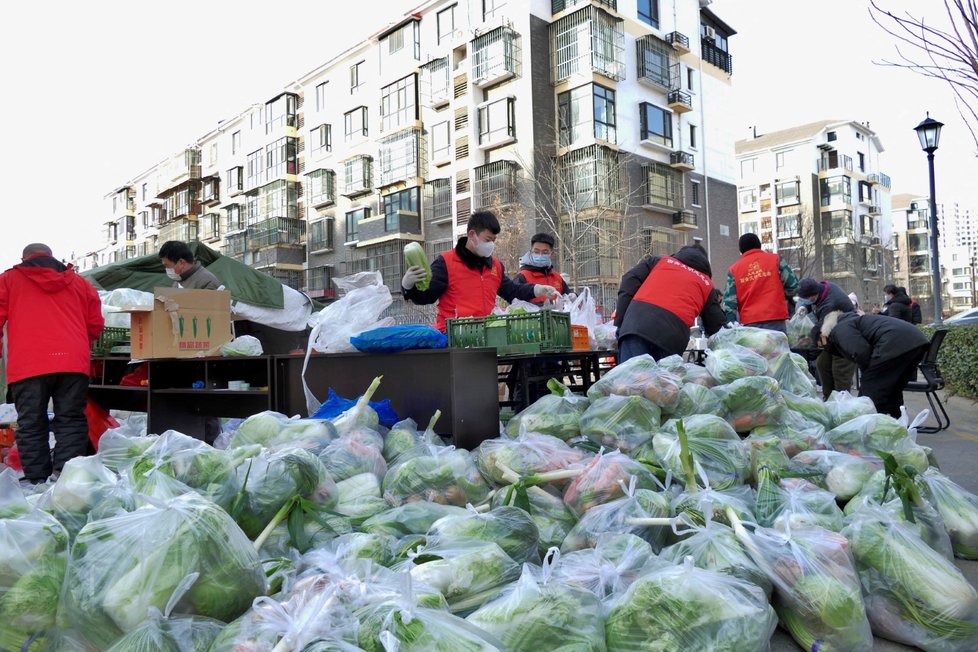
(832, 320)
(526, 264)
(48, 273)
(696, 258)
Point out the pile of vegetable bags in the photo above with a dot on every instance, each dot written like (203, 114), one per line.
(674, 507)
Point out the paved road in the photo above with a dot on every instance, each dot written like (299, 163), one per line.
(956, 450)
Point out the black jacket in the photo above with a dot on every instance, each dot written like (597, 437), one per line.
(915, 316)
(439, 279)
(899, 307)
(659, 325)
(830, 299)
(873, 341)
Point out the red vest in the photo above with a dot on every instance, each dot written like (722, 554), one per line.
(470, 292)
(552, 278)
(760, 295)
(675, 286)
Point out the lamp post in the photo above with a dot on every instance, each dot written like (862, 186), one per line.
(929, 133)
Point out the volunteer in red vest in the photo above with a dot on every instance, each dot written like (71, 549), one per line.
(760, 287)
(659, 300)
(536, 266)
(466, 280)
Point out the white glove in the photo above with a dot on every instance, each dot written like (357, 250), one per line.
(545, 291)
(412, 276)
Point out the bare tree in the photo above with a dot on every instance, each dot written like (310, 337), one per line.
(948, 52)
(801, 251)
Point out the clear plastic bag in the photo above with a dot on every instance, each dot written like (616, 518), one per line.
(693, 609)
(83, 483)
(553, 519)
(622, 516)
(394, 626)
(842, 474)
(604, 479)
(695, 374)
(799, 329)
(359, 497)
(766, 451)
(346, 457)
(734, 361)
(694, 399)
(502, 460)
(178, 634)
(510, 528)
(844, 407)
(412, 518)
(709, 504)
(725, 462)
(123, 566)
(811, 408)
(791, 372)
(610, 567)
(261, 428)
(364, 298)
(714, 547)
(242, 346)
(913, 595)
(766, 343)
(797, 433)
(958, 507)
(817, 590)
(796, 503)
(539, 613)
(620, 422)
(557, 414)
(639, 376)
(752, 402)
(869, 433)
(446, 475)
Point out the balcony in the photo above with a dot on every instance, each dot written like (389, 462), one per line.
(397, 222)
(879, 178)
(496, 184)
(875, 209)
(680, 102)
(684, 220)
(917, 225)
(211, 227)
(557, 6)
(837, 233)
(322, 188)
(276, 231)
(182, 167)
(587, 41)
(235, 245)
(679, 42)
(717, 57)
(211, 193)
(184, 230)
(682, 161)
(435, 84)
(495, 57)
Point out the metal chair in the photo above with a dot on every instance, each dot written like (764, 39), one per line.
(933, 382)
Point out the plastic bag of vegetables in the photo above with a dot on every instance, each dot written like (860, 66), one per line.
(346, 457)
(733, 362)
(188, 461)
(765, 451)
(702, 505)
(714, 547)
(117, 448)
(639, 376)
(766, 343)
(869, 433)
(797, 434)
(840, 473)
(84, 483)
(716, 449)
(696, 399)
(359, 498)
(625, 515)
(123, 566)
(539, 613)
(500, 459)
(410, 518)
(402, 626)
(259, 428)
(958, 507)
(844, 406)
(610, 567)
(791, 372)
(913, 595)
(812, 408)
(799, 327)
(796, 503)
(509, 527)
(694, 374)
(33, 557)
(816, 589)
(177, 634)
(557, 414)
(752, 402)
(604, 479)
(622, 422)
(446, 475)
(694, 609)
(553, 519)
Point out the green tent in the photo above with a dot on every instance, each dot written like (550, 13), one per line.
(146, 272)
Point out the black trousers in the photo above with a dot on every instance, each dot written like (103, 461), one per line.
(884, 383)
(69, 391)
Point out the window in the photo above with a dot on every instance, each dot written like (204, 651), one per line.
(211, 190)
(589, 40)
(748, 227)
(575, 114)
(831, 136)
(789, 226)
(713, 46)
(836, 224)
(435, 84)
(322, 187)
(408, 33)
(144, 192)
(256, 168)
(234, 179)
(648, 12)
(399, 103)
(656, 124)
(781, 159)
(235, 142)
(441, 141)
(321, 96)
(319, 280)
(391, 205)
(604, 113)
(497, 122)
(446, 23)
(865, 192)
(837, 258)
(690, 79)
(747, 199)
(862, 161)
(280, 112)
(492, 8)
(353, 223)
(399, 157)
(590, 177)
(836, 189)
(747, 167)
(496, 184)
(356, 71)
(357, 176)
(786, 192)
(654, 60)
(321, 236)
(663, 185)
(724, 230)
(355, 123)
(322, 139)
(438, 200)
(692, 136)
(280, 158)
(695, 194)
(495, 56)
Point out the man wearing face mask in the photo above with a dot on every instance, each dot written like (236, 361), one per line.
(536, 266)
(835, 372)
(466, 280)
(184, 270)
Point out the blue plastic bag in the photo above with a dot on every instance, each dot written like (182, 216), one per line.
(391, 339)
(337, 405)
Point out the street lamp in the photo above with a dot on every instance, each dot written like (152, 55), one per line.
(929, 133)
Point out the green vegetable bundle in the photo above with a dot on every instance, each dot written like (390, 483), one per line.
(870, 433)
(791, 372)
(347, 456)
(752, 402)
(796, 503)
(446, 475)
(696, 399)
(529, 454)
(82, 485)
(414, 257)
(725, 461)
(620, 422)
(811, 408)
(552, 518)
(958, 507)
(411, 518)
(714, 547)
(766, 343)
(557, 414)
(176, 462)
(603, 479)
(639, 376)
(179, 634)
(797, 433)
(509, 527)
(622, 516)
(610, 567)
(844, 407)
(393, 625)
(468, 572)
(733, 362)
(840, 473)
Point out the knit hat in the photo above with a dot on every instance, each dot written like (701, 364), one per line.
(809, 288)
(749, 241)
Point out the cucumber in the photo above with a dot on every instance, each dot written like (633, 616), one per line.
(414, 257)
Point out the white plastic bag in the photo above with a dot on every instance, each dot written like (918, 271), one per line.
(245, 345)
(583, 313)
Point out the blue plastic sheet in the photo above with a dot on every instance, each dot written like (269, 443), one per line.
(337, 405)
(391, 339)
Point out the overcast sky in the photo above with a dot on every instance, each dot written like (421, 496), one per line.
(94, 93)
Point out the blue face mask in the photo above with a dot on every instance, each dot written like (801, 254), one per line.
(540, 260)
(805, 302)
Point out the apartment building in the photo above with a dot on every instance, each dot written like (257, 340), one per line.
(602, 122)
(815, 194)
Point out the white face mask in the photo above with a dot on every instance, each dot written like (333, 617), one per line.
(484, 249)
(172, 273)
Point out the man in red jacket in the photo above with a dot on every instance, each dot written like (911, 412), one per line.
(760, 287)
(536, 266)
(466, 280)
(52, 317)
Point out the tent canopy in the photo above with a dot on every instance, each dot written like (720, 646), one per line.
(147, 272)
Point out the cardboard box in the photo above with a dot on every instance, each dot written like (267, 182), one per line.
(181, 324)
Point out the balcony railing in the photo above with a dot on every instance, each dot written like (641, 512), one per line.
(684, 220)
(717, 57)
(496, 184)
(235, 245)
(679, 41)
(681, 161)
(836, 233)
(680, 101)
(275, 231)
(557, 6)
(495, 56)
(880, 178)
(837, 163)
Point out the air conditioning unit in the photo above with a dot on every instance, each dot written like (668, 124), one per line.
(711, 32)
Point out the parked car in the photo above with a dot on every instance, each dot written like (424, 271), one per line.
(969, 316)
